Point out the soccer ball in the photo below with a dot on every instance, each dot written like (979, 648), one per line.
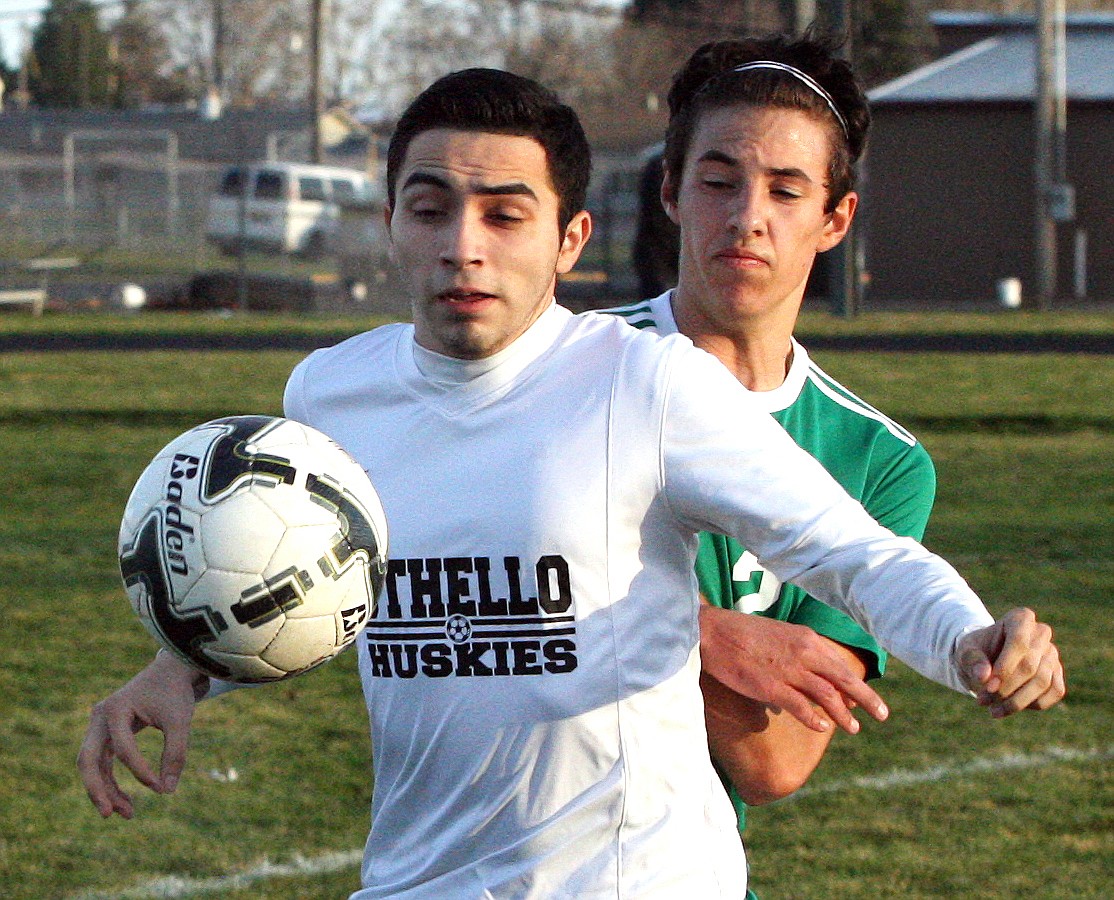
(253, 548)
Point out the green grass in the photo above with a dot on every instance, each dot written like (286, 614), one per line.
(1024, 509)
(182, 323)
(152, 258)
(812, 323)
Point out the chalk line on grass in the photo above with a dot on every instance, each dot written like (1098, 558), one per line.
(979, 766)
(175, 886)
(172, 887)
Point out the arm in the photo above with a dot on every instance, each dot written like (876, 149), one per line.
(1026, 672)
(744, 476)
(786, 666)
(765, 752)
(161, 696)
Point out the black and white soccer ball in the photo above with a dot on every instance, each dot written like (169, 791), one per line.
(253, 548)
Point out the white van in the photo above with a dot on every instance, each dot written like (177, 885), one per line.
(283, 207)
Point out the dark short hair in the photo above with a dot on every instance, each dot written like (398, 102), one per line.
(498, 102)
(708, 81)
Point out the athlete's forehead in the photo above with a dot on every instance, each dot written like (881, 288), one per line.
(777, 139)
(477, 162)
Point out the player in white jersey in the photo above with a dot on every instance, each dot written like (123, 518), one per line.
(532, 671)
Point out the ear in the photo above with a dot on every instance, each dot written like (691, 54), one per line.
(576, 236)
(839, 222)
(669, 198)
(387, 213)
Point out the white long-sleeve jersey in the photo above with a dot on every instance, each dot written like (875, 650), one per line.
(531, 673)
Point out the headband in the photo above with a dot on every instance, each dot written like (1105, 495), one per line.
(805, 79)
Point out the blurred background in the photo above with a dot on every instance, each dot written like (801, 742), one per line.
(153, 152)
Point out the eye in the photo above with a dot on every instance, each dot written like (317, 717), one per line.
(505, 215)
(425, 205)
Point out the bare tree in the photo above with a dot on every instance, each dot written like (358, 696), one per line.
(351, 47)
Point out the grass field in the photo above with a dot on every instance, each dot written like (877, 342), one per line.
(938, 802)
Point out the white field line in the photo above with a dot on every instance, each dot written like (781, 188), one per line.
(978, 766)
(172, 887)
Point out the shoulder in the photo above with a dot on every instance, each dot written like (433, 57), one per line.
(639, 315)
(341, 366)
(876, 459)
(841, 403)
(645, 359)
(654, 314)
(617, 327)
(357, 348)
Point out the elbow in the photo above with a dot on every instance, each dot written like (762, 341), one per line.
(772, 785)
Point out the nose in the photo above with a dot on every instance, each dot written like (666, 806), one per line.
(749, 214)
(461, 242)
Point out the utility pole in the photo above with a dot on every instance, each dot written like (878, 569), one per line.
(1055, 198)
(805, 14)
(316, 100)
(218, 46)
(843, 269)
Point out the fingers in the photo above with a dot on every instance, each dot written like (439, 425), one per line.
(812, 678)
(1059, 687)
(857, 693)
(122, 727)
(95, 765)
(1026, 644)
(1045, 688)
(974, 664)
(818, 704)
(832, 702)
(839, 695)
(175, 740)
(1013, 664)
(804, 711)
(161, 696)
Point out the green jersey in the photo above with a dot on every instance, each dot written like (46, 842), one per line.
(876, 460)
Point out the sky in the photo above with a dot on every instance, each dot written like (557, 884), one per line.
(19, 17)
(14, 15)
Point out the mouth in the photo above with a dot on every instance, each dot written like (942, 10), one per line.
(743, 259)
(464, 299)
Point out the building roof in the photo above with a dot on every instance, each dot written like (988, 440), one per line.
(1003, 68)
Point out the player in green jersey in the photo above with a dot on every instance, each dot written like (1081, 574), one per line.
(758, 158)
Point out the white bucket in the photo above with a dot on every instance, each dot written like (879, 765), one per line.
(1009, 292)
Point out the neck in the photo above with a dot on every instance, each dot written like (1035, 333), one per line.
(759, 364)
(756, 350)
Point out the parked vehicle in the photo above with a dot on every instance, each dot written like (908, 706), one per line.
(283, 207)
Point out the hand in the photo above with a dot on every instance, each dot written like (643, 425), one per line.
(162, 696)
(787, 666)
(1012, 664)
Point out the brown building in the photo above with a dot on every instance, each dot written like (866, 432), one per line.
(949, 180)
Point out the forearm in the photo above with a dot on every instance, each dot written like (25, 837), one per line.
(730, 478)
(765, 753)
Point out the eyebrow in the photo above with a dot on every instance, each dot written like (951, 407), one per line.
(511, 188)
(718, 156)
